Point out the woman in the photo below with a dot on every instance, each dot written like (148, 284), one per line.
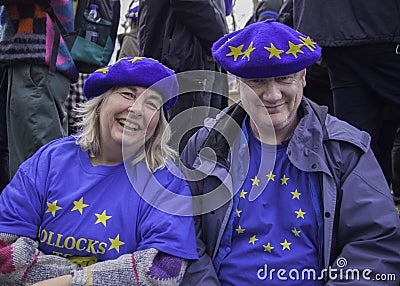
(71, 215)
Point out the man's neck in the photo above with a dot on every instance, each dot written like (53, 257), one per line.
(273, 136)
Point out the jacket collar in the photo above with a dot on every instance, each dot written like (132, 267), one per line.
(305, 147)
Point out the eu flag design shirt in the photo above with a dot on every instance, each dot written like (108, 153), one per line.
(87, 213)
(280, 229)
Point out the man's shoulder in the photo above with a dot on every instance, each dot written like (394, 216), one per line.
(340, 130)
(334, 129)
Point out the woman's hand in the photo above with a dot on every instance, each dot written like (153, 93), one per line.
(58, 281)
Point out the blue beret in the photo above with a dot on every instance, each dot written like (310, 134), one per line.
(139, 71)
(265, 49)
(133, 12)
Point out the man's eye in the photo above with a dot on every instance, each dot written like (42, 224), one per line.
(255, 82)
(284, 79)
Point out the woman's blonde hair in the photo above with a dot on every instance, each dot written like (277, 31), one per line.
(156, 150)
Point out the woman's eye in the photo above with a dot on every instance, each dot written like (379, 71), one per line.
(128, 95)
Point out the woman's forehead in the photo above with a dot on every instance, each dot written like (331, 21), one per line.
(137, 89)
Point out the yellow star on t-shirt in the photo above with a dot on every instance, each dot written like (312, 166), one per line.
(296, 195)
(310, 44)
(284, 180)
(79, 205)
(115, 243)
(52, 208)
(296, 232)
(240, 230)
(235, 52)
(271, 177)
(294, 49)
(102, 218)
(268, 247)
(285, 245)
(243, 194)
(253, 239)
(103, 70)
(246, 53)
(274, 52)
(255, 181)
(300, 213)
(238, 212)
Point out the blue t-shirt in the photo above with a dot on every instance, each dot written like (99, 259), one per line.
(88, 213)
(280, 229)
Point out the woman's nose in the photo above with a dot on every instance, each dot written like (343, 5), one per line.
(136, 109)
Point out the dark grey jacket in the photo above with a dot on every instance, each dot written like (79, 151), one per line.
(180, 33)
(335, 23)
(360, 221)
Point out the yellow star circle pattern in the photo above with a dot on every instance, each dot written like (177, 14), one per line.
(294, 231)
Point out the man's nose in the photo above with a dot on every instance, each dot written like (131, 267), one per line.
(271, 91)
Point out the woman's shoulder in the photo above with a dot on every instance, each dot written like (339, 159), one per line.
(171, 176)
(59, 145)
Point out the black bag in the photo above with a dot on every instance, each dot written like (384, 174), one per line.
(88, 55)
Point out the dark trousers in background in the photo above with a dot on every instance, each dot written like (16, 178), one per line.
(396, 167)
(366, 93)
(35, 110)
(4, 171)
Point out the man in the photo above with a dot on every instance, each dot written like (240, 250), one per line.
(284, 193)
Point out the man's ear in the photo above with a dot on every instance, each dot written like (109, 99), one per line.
(303, 78)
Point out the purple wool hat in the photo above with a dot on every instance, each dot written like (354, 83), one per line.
(265, 49)
(133, 12)
(139, 71)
